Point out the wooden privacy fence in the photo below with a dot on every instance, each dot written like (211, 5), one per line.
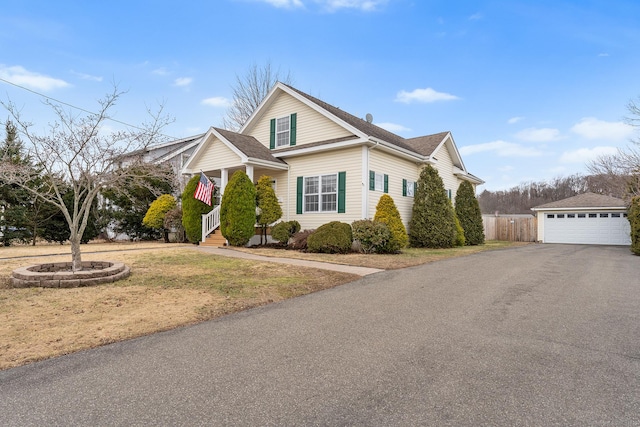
(511, 228)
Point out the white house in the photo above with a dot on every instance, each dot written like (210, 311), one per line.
(327, 165)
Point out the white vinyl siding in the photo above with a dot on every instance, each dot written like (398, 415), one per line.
(311, 125)
(333, 162)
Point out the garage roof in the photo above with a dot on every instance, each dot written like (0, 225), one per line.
(584, 201)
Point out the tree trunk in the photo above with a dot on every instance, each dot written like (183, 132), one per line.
(76, 256)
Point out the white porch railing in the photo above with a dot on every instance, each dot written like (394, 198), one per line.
(210, 222)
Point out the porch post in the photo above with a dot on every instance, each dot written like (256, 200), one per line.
(250, 172)
(224, 178)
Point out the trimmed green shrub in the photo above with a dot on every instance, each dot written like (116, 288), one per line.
(468, 212)
(283, 231)
(634, 220)
(373, 236)
(387, 213)
(432, 223)
(268, 205)
(332, 238)
(192, 211)
(238, 210)
(460, 239)
(154, 218)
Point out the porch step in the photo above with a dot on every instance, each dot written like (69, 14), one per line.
(215, 239)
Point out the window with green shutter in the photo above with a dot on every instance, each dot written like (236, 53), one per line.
(283, 131)
(321, 193)
(378, 181)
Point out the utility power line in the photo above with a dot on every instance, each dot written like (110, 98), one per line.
(74, 106)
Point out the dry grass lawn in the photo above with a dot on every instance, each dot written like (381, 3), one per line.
(171, 285)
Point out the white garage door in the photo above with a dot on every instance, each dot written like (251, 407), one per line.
(596, 228)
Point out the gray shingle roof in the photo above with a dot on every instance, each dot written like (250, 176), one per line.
(374, 131)
(585, 200)
(250, 146)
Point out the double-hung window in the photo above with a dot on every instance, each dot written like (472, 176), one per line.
(378, 181)
(408, 188)
(282, 131)
(321, 193)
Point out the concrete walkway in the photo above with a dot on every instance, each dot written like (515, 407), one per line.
(360, 271)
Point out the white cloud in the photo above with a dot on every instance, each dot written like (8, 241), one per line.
(506, 168)
(475, 17)
(364, 5)
(392, 127)
(603, 54)
(423, 95)
(183, 81)
(584, 155)
(592, 128)
(514, 120)
(161, 71)
(20, 76)
(501, 148)
(285, 4)
(539, 134)
(84, 76)
(216, 101)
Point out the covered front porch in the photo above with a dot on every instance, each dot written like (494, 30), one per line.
(220, 154)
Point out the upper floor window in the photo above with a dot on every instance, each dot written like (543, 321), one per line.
(282, 131)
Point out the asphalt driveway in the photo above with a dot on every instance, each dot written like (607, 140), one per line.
(537, 335)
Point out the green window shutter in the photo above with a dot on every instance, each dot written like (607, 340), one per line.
(386, 183)
(342, 193)
(415, 188)
(372, 180)
(404, 187)
(272, 134)
(299, 188)
(292, 131)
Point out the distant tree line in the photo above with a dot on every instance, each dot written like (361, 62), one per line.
(520, 199)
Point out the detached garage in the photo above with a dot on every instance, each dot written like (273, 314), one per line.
(588, 218)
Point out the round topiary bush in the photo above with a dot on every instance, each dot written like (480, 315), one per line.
(332, 238)
(284, 230)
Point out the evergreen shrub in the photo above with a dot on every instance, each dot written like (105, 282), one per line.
(432, 222)
(333, 237)
(238, 210)
(284, 230)
(373, 236)
(634, 220)
(468, 212)
(388, 214)
(192, 211)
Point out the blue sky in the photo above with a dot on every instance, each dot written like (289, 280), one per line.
(531, 90)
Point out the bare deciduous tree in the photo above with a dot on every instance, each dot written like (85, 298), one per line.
(77, 152)
(249, 91)
(625, 163)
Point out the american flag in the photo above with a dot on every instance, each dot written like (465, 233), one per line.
(204, 189)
